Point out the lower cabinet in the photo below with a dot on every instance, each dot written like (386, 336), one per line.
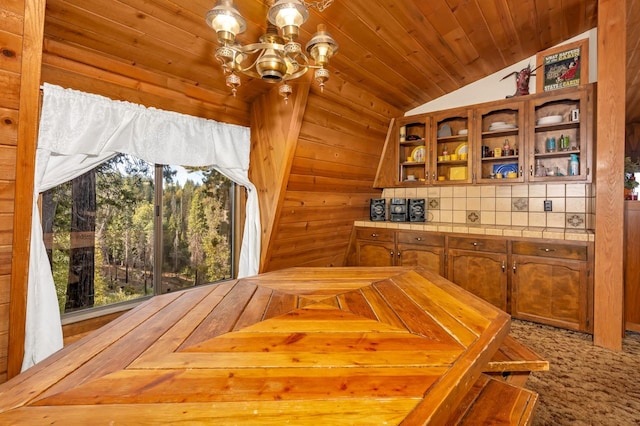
(479, 266)
(544, 281)
(421, 249)
(550, 284)
(375, 247)
(383, 247)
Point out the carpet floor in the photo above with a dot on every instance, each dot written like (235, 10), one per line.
(586, 384)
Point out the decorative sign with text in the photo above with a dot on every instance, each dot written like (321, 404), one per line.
(563, 66)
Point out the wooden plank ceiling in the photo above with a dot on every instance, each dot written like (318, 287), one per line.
(405, 52)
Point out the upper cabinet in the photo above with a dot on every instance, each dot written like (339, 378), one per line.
(561, 135)
(500, 138)
(537, 138)
(450, 156)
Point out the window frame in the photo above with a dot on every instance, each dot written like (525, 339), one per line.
(238, 214)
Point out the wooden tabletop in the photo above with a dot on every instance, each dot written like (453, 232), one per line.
(299, 346)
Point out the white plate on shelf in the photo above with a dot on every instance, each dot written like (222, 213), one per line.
(463, 132)
(501, 126)
(551, 119)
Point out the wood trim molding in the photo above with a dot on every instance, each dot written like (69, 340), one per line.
(609, 271)
(28, 120)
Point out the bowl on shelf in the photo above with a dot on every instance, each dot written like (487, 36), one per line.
(550, 119)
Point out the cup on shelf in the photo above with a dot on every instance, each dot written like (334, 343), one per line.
(440, 157)
(454, 157)
(447, 157)
(498, 175)
(409, 159)
(464, 156)
(512, 175)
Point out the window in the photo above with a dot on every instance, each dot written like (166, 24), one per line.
(109, 241)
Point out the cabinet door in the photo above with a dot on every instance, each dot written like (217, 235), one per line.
(565, 115)
(480, 273)
(551, 291)
(500, 146)
(413, 152)
(451, 154)
(430, 258)
(374, 253)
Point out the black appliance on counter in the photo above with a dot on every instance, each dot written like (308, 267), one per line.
(416, 210)
(377, 210)
(398, 210)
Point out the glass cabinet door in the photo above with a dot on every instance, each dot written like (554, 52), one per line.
(413, 153)
(451, 154)
(500, 143)
(559, 149)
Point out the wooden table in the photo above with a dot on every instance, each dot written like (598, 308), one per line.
(299, 346)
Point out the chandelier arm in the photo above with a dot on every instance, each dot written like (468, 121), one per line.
(300, 73)
(319, 5)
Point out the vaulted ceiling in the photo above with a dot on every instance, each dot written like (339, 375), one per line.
(406, 52)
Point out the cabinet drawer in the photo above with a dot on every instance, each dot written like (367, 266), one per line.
(478, 244)
(564, 251)
(421, 238)
(374, 234)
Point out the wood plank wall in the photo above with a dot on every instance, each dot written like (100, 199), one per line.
(330, 181)
(11, 39)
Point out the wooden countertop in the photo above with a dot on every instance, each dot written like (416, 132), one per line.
(302, 345)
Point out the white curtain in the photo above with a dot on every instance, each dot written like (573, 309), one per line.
(77, 132)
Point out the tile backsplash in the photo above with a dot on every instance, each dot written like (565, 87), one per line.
(572, 205)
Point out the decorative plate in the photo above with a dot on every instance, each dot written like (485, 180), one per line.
(505, 168)
(462, 148)
(419, 154)
(444, 131)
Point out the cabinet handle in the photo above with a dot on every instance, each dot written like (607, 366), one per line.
(398, 254)
(514, 267)
(521, 171)
(418, 238)
(547, 250)
(503, 266)
(475, 244)
(374, 235)
(530, 170)
(391, 253)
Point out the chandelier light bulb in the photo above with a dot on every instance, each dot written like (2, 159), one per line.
(227, 22)
(288, 15)
(322, 46)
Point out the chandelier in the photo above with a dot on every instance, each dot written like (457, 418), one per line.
(276, 58)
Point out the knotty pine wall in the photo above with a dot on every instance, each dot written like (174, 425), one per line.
(314, 161)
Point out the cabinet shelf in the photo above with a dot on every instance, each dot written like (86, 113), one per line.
(557, 126)
(454, 138)
(497, 133)
(415, 142)
(557, 154)
(453, 162)
(498, 159)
